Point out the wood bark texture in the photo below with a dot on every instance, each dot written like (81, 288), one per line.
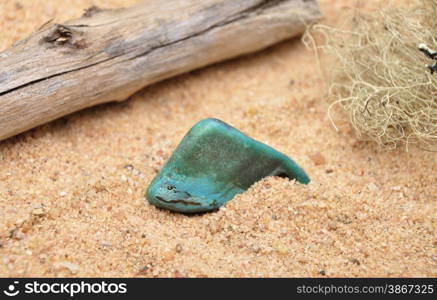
(107, 55)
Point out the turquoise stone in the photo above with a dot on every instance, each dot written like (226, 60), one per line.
(212, 164)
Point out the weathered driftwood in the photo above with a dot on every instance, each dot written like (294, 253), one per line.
(107, 55)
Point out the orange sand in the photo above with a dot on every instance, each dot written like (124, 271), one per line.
(69, 206)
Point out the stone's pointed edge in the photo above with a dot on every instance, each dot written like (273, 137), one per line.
(213, 163)
(292, 169)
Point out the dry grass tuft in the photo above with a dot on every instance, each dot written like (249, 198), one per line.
(380, 76)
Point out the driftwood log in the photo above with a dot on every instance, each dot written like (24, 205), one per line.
(107, 55)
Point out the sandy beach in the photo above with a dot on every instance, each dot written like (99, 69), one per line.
(72, 191)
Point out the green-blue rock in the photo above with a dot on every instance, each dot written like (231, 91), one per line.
(212, 164)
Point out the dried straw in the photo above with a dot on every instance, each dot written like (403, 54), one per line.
(379, 76)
